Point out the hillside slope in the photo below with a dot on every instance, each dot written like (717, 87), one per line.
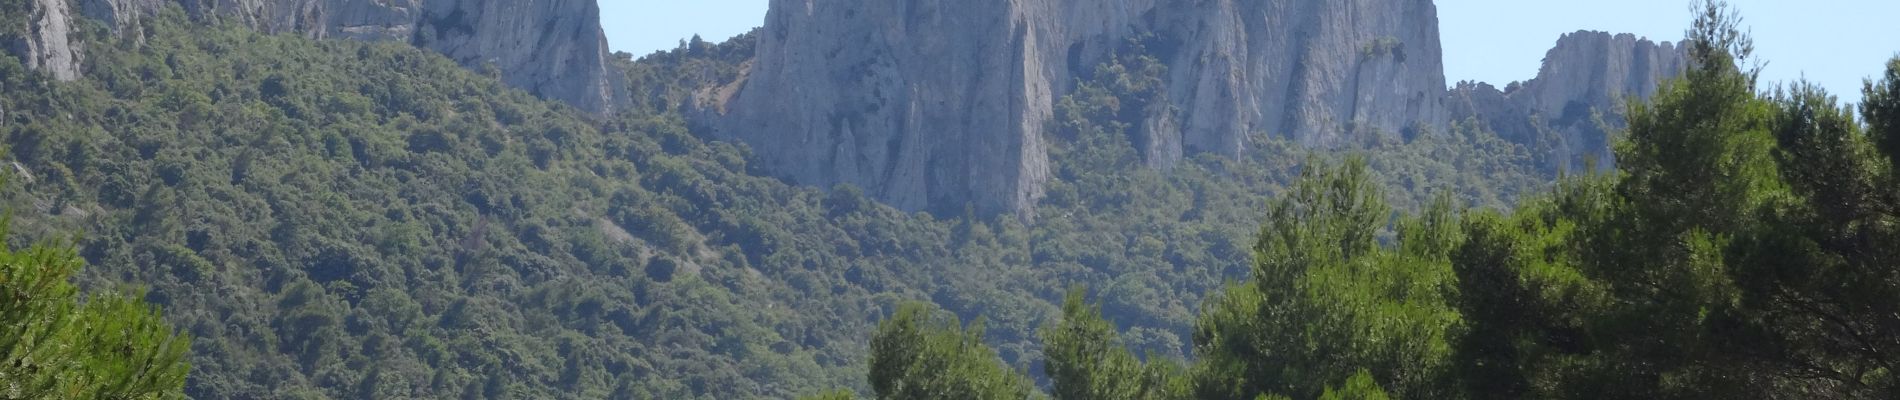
(344, 219)
(551, 48)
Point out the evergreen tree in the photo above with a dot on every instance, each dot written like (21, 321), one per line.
(1748, 248)
(1359, 387)
(1880, 107)
(1327, 299)
(57, 344)
(917, 357)
(1085, 359)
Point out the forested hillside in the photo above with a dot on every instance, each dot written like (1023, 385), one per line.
(333, 219)
(337, 219)
(1747, 247)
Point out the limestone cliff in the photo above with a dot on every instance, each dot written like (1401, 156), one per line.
(552, 48)
(1597, 69)
(1578, 97)
(938, 105)
(46, 44)
(1319, 72)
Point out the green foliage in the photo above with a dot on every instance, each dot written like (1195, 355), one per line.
(1700, 151)
(351, 220)
(1747, 250)
(1098, 127)
(57, 344)
(1383, 46)
(1327, 299)
(695, 74)
(1881, 108)
(334, 219)
(14, 17)
(1359, 387)
(831, 395)
(1719, 264)
(1157, 241)
(917, 357)
(1085, 359)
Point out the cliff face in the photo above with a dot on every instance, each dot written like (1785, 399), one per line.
(47, 43)
(935, 105)
(1586, 76)
(1322, 73)
(1597, 69)
(552, 48)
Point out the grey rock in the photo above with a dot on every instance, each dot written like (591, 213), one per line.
(1159, 137)
(1491, 108)
(48, 45)
(1320, 72)
(923, 104)
(1597, 69)
(938, 105)
(552, 48)
(123, 16)
(1578, 98)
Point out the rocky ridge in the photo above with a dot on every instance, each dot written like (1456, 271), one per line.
(1577, 98)
(940, 106)
(552, 48)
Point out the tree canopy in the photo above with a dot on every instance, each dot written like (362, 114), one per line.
(56, 343)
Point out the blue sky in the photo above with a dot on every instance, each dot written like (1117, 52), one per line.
(644, 26)
(1836, 43)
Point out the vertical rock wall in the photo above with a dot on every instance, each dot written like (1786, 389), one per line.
(47, 44)
(938, 105)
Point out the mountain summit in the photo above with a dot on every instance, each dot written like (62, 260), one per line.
(944, 107)
(937, 105)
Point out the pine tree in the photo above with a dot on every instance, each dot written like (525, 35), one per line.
(57, 344)
(1085, 359)
(916, 357)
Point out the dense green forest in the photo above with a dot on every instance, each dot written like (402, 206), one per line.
(1746, 248)
(337, 219)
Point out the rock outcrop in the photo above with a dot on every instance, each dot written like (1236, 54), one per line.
(552, 48)
(1598, 69)
(341, 19)
(47, 44)
(940, 105)
(1578, 97)
(1321, 72)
